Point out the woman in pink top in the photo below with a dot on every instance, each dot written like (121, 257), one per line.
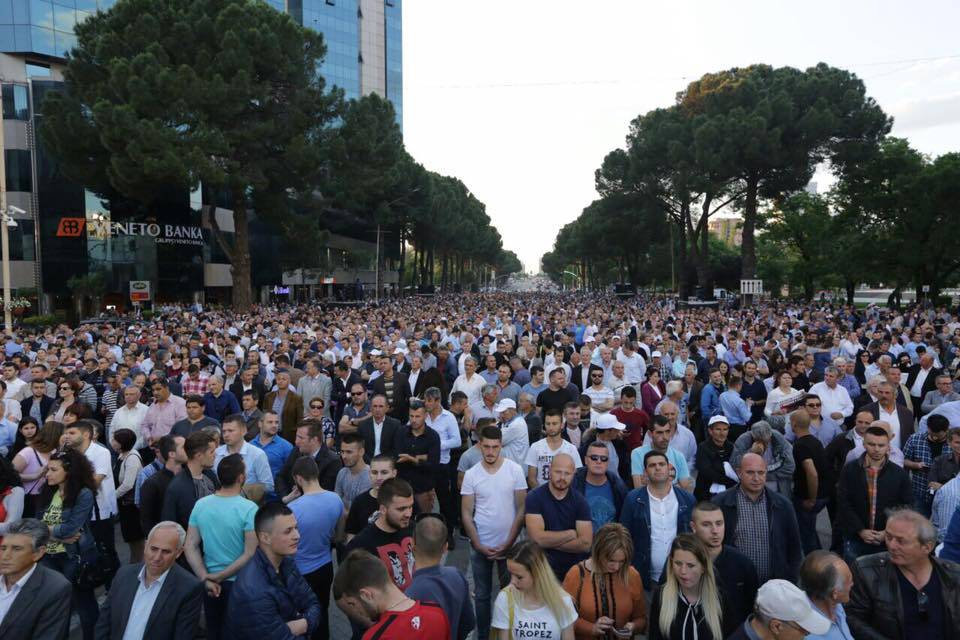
(31, 461)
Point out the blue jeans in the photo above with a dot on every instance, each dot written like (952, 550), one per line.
(482, 584)
(807, 523)
(853, 549)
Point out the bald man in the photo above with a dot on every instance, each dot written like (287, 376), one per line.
(558, 519)
(761, 523)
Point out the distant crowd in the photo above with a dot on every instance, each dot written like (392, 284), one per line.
(617, 468)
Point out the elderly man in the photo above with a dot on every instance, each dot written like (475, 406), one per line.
(835, 400)
(156, 598)
(516, 438)
(942, 393)
(130, 415)
(905, 592)
(776, 452)
(761, 523)
(783, 611)
(34, 600)
(315, 384)
(827, 581)
(469, 382)
(921, 380)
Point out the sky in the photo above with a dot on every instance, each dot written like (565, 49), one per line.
(522, 99)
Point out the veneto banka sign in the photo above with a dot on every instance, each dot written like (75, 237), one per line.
(104, 229)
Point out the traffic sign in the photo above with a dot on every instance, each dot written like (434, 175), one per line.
(139, 290)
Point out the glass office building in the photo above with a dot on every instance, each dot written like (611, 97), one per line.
(65, 230)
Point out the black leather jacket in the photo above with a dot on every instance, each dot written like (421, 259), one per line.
(875, 612)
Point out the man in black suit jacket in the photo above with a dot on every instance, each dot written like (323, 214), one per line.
(928, 384)
(343, 380)
(400, 407)
(247, 379)
(429, 378)
(176, 608)
(378, 415)
(38, 393)
(41, 610)
(888, 400)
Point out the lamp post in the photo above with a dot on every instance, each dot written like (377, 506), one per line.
(575, 275)
(387, 206)
(6, 223)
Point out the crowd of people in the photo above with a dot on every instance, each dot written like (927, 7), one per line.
(616, 468)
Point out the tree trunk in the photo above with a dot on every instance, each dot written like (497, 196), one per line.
(702, 236)
(240, 265)
(851, 288)
(683, 283)
(443, 272)
(748, 247)
(403, 257)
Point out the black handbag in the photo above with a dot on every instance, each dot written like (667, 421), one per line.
(95, 564)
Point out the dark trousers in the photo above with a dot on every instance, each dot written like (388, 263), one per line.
(320, 582)
(103, 532)
(807, 523)
(215, 612)
(446, 493)
(84, 600)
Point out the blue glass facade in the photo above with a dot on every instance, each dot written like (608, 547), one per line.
(340, 25)
(394, 35)
(43, 27)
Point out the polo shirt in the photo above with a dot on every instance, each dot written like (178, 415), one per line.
(675, 457)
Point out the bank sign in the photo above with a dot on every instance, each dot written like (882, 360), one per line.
(104, 229)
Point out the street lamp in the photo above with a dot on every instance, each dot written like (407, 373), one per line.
(575, 275)
(6, 223)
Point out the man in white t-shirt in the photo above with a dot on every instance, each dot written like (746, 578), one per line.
(490, 519)
(541, 452)
(80, 437)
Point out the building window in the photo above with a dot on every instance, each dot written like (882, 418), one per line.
(19, 175)
(35, 70)
(15, 102)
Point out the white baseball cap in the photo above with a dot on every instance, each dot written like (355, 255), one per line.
(609, 421)
(782, 600)
(504, 404)
(715, 419)
(656, 354)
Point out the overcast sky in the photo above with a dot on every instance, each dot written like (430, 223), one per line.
(522, 99)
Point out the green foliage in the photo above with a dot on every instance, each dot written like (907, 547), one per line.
(49, 320)
(168, 95)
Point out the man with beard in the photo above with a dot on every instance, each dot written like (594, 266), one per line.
(558, 519)
(390, 536)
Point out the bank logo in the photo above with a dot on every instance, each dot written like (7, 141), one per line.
(70, 227)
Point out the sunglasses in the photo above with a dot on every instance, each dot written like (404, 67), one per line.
(923, 604)
(316, 406)
(596, 458)
(356, 393)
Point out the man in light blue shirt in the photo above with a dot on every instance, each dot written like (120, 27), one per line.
(827, 581)
(259, 476)
(733, 407)
(276, 448)
(945, 503)
(660, 434)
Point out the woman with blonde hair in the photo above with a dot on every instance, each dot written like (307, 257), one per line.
(606, 589)
(687, 606)
(533, 599)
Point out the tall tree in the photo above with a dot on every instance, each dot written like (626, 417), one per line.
(169, 95)
(774, 126)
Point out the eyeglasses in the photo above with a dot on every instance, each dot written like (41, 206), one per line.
(813, 406)
(595, 458)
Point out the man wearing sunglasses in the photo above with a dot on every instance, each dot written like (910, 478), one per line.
(603, 489)
(905, 592)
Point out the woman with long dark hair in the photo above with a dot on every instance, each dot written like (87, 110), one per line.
(27, 430)
(687, 606)
(125, 470)
(652, 391)
(67, 391)
(31, 461)
(70, 494)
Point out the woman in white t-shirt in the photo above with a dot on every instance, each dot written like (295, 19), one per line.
(533, 605)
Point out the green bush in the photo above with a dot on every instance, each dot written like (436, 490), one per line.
(41, 321)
